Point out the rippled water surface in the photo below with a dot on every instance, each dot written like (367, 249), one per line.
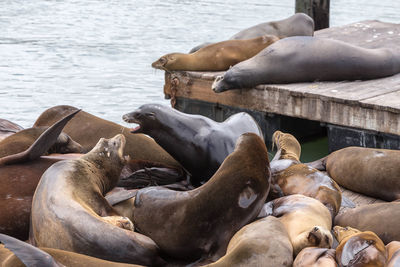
(96, 54)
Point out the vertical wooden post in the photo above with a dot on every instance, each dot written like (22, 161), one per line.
(317, 9)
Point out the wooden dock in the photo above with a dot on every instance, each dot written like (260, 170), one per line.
(363, 113)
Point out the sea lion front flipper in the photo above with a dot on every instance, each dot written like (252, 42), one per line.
(114, 198)
(28, 254)
(42, 144)
(347, 202)
(319, 164)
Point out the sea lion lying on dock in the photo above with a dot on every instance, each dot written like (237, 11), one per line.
(307, 59)
(197, 142)
(215, 57)
(316, 257)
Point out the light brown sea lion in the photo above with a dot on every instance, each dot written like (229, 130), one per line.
(359, 249)
(315, 257)
(8, 128)
(264, 242)
(20, 254)
(201, 222)
(306, 219)
(381, 218)
(215, 57)
(393, 254)
(87, 129)
(369, 171)
(69, 210)
(290, 176)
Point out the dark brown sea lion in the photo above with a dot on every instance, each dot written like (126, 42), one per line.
(393, 251)
(293, 59)
(290, 176)
(197, 142)
(69, 210)
(316, 257)
(264, 242)
(8, 128)
(298, 24)
(19, 254)
(381, 218)
(369, 171)
(201, 222)
(87, 129)
(359, 249)
(215, 57)
(307, 221)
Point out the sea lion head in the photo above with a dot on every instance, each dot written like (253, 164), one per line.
(65, 144)
(343, 232)
(230, 80)
(167, 62)
(148, 116)
(317, 236)
(288, 144)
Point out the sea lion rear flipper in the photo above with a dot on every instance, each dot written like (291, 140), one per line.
(347, 203)
(28, 254)
(318, 164)
(116, 197)
(42, 144)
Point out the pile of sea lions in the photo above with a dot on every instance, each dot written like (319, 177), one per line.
(194, 192)
(282, 51)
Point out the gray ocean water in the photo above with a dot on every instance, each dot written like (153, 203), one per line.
(96, 54)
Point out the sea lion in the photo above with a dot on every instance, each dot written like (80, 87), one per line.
(293, 59)
(20, 254)
(316, 257)
(69, 210)
(264, 242)
(307, 221)
(393, 251)
(87, 129)
(197, 142)
(23, 139)
(8, 128)
(370, 171)
(215, 57)
(380, 218)
(298, 24)
(358, 248)
(290, 176)
(201, 222)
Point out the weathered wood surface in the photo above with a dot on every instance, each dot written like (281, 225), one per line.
(317, 9)
(372, 105)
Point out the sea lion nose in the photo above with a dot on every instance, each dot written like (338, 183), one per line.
(129, 117)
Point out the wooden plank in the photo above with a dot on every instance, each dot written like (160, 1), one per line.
(317, 9)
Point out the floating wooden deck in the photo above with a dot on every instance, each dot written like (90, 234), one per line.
(371, 107)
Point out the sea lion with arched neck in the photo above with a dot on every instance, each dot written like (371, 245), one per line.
(290, 176)
(215, 57)
(69, 210)
(358, 248)
(293, 59)
(201, 222)
(197, 142)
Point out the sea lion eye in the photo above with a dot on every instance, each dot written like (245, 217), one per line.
(150, 115)
(163, 60)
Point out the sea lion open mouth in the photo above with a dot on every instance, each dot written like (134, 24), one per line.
(135, 129)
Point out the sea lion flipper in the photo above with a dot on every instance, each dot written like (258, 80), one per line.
(152, 176)
(319, 164)
(119, 196)
(42, 144)
(347, 203)
(28, 254)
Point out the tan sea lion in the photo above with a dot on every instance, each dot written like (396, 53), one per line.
(370, 171)
(306, 219)
(290, 176)
(264, 242)
(381, 218)
(20, 254)
(315, 257)
(201, 222)
(8, 128)
(393, 251)
(87, 129)
(358, 248)
(215, 57)
(69, 210)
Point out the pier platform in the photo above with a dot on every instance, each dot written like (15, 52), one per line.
(360, 113)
